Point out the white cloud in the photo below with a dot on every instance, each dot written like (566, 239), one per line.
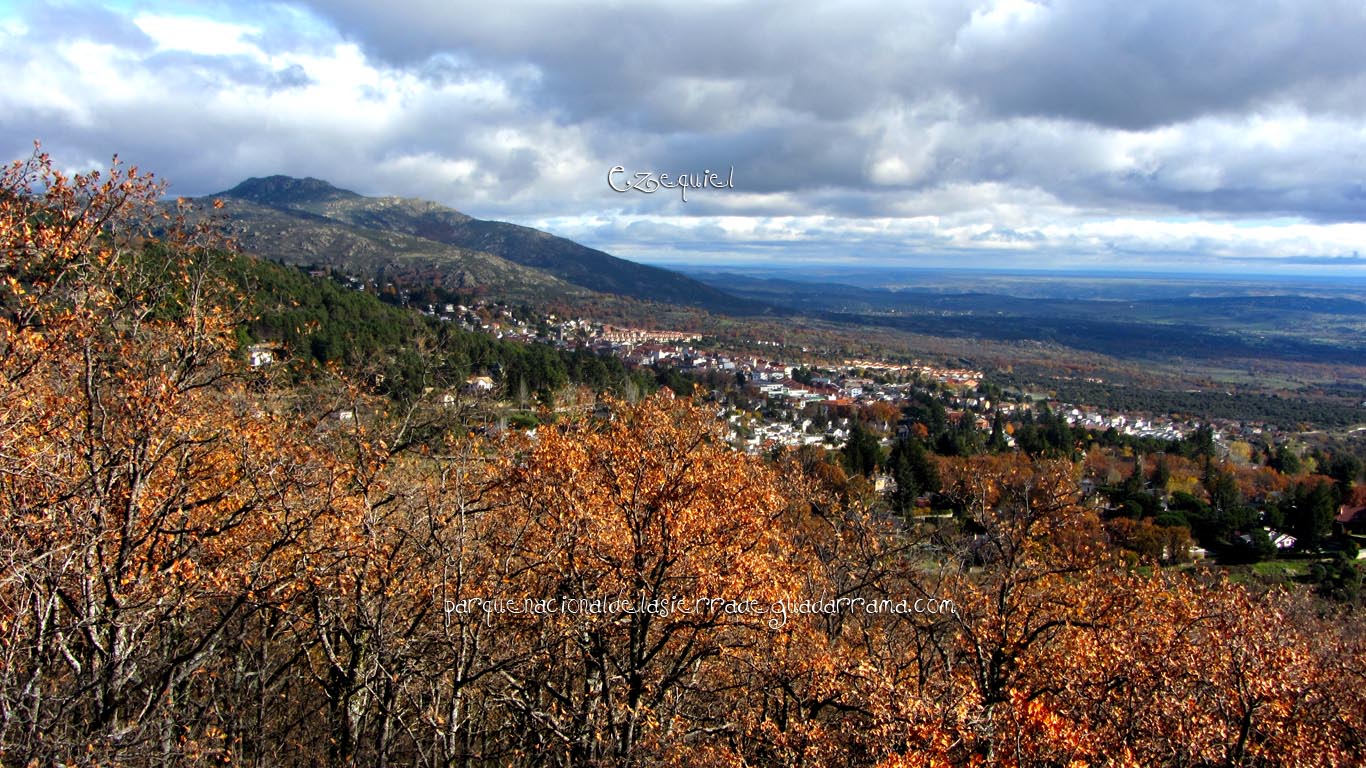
(1017, 130)
(198, 35)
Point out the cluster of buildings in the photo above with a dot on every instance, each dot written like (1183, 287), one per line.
(641, 336)
(768, 385)
(1160, 427)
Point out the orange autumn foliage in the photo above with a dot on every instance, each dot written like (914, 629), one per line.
(630, 524)
(148, 507)
(194, 573)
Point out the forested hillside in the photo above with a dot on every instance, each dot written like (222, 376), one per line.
(203, 565)
(317, 322)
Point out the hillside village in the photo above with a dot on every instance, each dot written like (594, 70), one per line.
(769, 406)
(878, 418)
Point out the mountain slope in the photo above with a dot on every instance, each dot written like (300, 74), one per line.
(569, 261)
(300, 238)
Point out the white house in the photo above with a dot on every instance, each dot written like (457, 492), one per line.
(479, 384)
(259, 355)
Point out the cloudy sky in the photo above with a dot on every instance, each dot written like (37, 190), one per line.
(1049, 134)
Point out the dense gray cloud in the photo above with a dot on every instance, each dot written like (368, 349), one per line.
(1141, 65)
(1005, 131)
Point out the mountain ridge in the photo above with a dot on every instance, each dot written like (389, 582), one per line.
(563, 259)
(306, 239)
(277, 189)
